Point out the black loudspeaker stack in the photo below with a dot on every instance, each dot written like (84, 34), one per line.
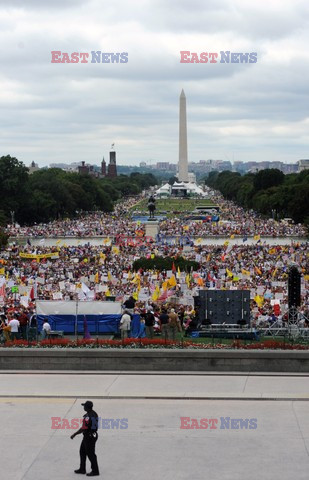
(294, 287)
(223, 306)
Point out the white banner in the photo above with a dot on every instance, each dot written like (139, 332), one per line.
(50, 307)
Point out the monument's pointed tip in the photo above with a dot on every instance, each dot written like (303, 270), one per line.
(182, 93)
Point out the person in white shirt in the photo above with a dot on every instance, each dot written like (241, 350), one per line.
(125, 325)
(14, 324)
(45, 329)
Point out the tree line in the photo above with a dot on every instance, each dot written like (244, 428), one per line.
(268, 192)
(52, 193)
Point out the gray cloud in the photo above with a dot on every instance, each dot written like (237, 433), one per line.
(70, 112)
(41, 4)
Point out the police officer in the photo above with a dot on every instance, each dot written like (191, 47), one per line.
(90, 436)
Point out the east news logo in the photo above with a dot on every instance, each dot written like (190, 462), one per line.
(222, 423)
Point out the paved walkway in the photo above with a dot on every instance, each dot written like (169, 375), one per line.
(154, 446)
(178, 386)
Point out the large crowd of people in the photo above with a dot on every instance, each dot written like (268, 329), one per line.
(91, 224)
(88, 272)
(233, 220)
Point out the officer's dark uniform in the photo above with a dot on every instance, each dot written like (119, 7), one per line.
(90, 436)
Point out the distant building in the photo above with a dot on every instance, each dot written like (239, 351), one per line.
(303, 165)
(191, 177)
(103, 168)
(112, 167)
(83, 169)
(289, 168)
(33, 167)
(163, 166)
(253, 167)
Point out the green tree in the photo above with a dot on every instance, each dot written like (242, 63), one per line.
(172, 180)
(270, 177)
(13, 181)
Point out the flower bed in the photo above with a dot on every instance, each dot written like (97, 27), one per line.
(152, 344)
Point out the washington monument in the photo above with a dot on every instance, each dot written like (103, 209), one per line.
(183, 149)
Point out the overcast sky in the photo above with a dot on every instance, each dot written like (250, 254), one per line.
(55, 112)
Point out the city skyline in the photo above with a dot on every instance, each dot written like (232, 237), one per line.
(63, 112)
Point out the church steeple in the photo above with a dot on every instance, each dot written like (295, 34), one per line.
(103, 168)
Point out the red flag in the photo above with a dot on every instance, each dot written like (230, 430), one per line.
(163, 297)
(31, 295)
(2, 291)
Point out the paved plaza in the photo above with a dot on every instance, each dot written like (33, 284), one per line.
(154, 446)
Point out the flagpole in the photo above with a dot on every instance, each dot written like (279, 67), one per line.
(76, 315)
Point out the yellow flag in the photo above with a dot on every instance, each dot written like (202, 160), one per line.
(156, 294)
(2, 271)
(136, 279)
(226, 243)
(116, 250)
(165, 285)
(135, 295)
(306, 277)
(107, 293)
(245, 272)
(172, 282)
(96, 277)
(188, 280)
(229, 273)
(103, 256)
(199, 240)
(259, 300)
(232, 236)
(256, 237)
(106, 240)
(109, 276)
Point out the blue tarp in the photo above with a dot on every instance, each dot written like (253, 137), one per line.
(97, 324)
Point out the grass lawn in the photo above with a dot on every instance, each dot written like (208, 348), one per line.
(173, 205)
